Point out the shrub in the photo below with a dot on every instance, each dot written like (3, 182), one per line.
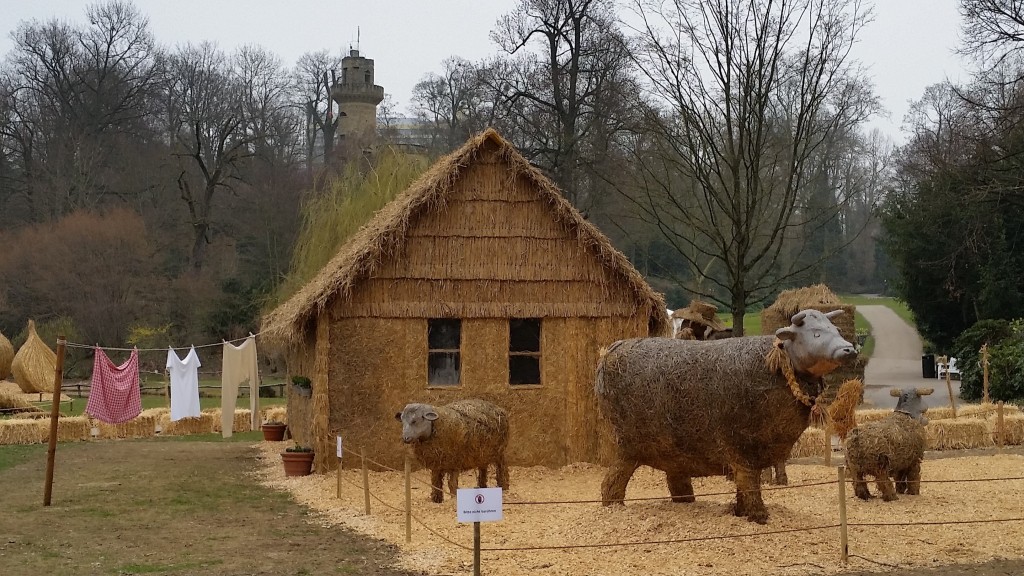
(1006, 365)
(967, 350)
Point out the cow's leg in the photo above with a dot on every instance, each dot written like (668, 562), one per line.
(901, 481)
(436, 490)
(680, 486)
(913, 479)
(481, 477)
(501, 473)
(613, 487)
(453, 482)
(860, 485)
(748, 496)
(885, 486)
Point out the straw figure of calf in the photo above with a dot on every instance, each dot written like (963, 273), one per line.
(890, 449)
(697, 408)
(463, 435)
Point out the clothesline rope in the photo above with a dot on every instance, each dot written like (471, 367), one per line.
(93, 346)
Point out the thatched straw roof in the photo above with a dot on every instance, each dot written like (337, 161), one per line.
(383, 237)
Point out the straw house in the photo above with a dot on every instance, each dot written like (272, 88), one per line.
(479, 281)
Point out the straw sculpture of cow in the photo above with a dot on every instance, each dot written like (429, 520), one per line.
(696, 408)
(463, 435)
(890, 449)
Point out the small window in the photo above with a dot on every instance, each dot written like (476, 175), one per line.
(524, 351)
(444, 362)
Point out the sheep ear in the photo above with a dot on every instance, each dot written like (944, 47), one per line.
(896, 392)
(924, 391)
(430, 416)
(398, 416)
(833, 314)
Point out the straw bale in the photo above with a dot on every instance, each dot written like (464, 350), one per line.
(6, 356)
(275, 414)
(467, 434)
(875, 414)
(242, 420)
(1013, 429)
(495, 165)
(11, 403)
(891, 448)
(203, 424)
(138, 427)
(23, 431)
(73, 428)
(35, 364)
(957, 434)
(810, 443)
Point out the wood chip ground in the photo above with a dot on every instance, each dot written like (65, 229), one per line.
(757, 553)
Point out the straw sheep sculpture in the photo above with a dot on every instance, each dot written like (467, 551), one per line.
(890, 448)
(698, 408)
(463, 435)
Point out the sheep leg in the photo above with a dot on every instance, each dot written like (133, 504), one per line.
(748, 496)
(481, 477)
(913, 479)
(436, 491)
(453, 482)
(885, 486)
(860, 485)
(501, 474)
(680, 486)
(613, 487)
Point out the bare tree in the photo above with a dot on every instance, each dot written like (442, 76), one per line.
(314, 75)
(449, 104)
(993, 30)
(752, 91)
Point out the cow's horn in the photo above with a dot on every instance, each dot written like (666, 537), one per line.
(833, 314)
(798, 318)
(924, 391)
(895, 392)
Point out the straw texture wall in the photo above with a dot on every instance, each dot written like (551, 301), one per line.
(139, 427)
(6, 356)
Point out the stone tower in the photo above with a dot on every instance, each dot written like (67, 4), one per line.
(357, 97)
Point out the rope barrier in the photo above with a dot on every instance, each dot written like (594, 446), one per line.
(945, 523)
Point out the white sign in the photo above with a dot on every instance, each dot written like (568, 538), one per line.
(339, 447)
(479, 504)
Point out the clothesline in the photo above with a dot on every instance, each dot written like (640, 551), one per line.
(92, 346)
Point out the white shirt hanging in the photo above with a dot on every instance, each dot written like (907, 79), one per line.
(184, 384)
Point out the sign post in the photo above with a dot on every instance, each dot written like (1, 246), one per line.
(478, 505)
(339, 467)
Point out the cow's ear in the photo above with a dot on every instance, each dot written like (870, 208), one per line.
(924, 391)
(398, 416)
(786, 333)
(430, 416)
(895, 392)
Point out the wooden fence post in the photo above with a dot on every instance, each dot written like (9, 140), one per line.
(366, 481)
(949, 390)
(984, 368)
(51, 451)
(844, 546)
(408, 500)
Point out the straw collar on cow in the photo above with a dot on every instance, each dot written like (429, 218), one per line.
(810, 347)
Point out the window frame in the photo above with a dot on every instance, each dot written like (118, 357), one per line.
(538, 354)
(444, 351)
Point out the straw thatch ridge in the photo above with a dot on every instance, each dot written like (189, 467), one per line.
(383, 236)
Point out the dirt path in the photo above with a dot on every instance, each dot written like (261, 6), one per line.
(896, 361)
(163, 507)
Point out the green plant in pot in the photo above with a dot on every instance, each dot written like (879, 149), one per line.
(297, 460)
(273, 431)
(303, 385)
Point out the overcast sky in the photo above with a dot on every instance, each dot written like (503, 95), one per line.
(909, 45)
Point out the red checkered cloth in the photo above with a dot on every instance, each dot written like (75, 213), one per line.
(114, 396)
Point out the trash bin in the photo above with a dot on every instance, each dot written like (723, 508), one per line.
(928, 366)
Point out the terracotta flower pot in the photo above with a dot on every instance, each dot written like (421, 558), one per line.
(297, 463)
(273, 432)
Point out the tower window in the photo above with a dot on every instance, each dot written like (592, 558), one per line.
(368, 78)
(524, 352)
(444, 356)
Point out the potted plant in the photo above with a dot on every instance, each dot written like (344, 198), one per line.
(273, 431)
(303, 386)
(298, 460)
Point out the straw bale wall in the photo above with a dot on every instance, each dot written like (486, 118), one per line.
(241, 421)
(380, 365)
(37, 431)
(277, 413)
(956, 434)
(810, 443)
(1013, 429)
(203, 424)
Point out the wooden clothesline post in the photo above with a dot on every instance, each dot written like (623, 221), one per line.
(984, 368)
(51, 452)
